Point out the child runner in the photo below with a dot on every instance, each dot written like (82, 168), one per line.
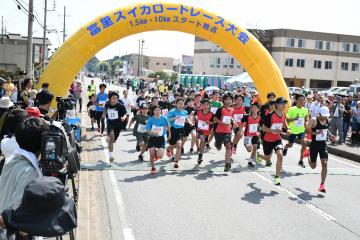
(215, 104)
(251, 139)
(176, 118)
(157, 126)
(273, 125)
(318, 127)
(115, 113)
(142, 136)
(224, 125)
(239, 111)
(91, 108)
(204, 119)
(101, 99)
(189, 125)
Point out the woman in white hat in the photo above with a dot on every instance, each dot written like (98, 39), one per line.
(5, 105)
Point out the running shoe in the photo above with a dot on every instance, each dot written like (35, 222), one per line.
(153, 170)
(172, 159)
(98, 129)
(137, 147)
(111, 159)
(268, 163)
(141, 158)
(176, 165)
(322, 188)
(301, 164)
(227, 167)
(208, 146)
(258, 158)
(251, 164)
(285, 152)
(191, 151)
(277, 181)
(199, 161)
(168, 153)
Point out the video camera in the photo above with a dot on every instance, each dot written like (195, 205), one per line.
(65, 104)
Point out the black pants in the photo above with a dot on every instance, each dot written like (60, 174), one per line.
(100, 121)
(80, 104)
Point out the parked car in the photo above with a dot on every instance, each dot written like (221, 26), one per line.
(330, 90)
(340, 91)
(354, 89)
(295, 90)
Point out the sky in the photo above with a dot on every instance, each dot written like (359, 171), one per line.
(314, 15)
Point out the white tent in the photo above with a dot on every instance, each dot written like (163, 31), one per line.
(243, 78)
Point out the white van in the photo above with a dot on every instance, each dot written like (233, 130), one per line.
(354, 89)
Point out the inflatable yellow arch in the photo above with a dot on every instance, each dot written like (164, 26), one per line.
(123, 22)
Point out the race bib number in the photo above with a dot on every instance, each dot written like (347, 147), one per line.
(322, 136)
(141, 128)
(247, 141)
(276, 126)
(141, 103)
(253, 128)
(213, 110)
(158, 131)
(113, 114)
(180, 121)
(227, 119)
(92, 107)
(299, 122)
(202, 125)
(238, 117)
(102, 103)
(164, 112)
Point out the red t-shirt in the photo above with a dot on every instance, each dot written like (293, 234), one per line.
(273, 121)
(251, 125)
(201, 125)
(238, 114)
(226, 116)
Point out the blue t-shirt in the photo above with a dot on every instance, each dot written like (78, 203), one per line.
(247, 101)
(181, 116)
(159, 125)
(101, 100)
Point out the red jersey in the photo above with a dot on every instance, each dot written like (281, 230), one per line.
(273, 121)
(226, 116)
(251, 125)
(238, 114)
(201, 123)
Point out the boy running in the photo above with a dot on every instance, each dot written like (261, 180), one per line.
(101, 99)
(239, 111)
(91, 108)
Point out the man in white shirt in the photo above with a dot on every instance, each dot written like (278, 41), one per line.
(315, 108)
(128, 104)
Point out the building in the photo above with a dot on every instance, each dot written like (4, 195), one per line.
(13, 51)
(147, 64)
(184, 65)
(310, 59)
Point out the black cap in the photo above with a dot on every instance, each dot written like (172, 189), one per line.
(271, 102)
(280, 100)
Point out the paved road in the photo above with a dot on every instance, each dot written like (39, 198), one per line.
(206, 203)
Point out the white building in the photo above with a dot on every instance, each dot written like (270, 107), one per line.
(310, 59)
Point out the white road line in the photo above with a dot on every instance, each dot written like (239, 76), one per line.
(127, 230)
(309, 205)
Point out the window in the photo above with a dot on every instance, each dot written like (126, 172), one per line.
(289, 62)
(319, 44)
(328, 64)
(328, 46)
(218, 62)
(346, 47)
(354, 67)
(225, 62)
(212, 62)
(301, 43)
(317, 64)
(231, 63)
(164, 64)
(157, 63)
(300, 63)
(239, 66)
(291, 42)
(356, 47)
(344, 66)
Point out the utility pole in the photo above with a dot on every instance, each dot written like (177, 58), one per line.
(139, 59)
(29, 49)
(140, 55)
(44, 38)
(2, 29)
(64, 34)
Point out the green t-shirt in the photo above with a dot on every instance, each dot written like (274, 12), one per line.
(297, 126)
(140, 124)
(214, 105)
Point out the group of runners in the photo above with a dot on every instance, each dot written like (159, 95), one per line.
(163, 127)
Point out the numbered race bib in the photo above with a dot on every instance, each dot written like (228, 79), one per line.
(202, 125)
(238, 117)
(180, 121)
(102, 103)
(276, 126)
(113, 114)
(164, 112)
(141, 103)
(322, 136)
(253, 128)
(92, 108)
(158, 131)
(226, 119)
(299, 122)
(141, 128)
(247, 141)
(213, 110)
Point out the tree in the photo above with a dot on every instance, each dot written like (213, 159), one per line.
(174, 77)
(91, 64)
(161, 75)
(116, 64)
(103, 67)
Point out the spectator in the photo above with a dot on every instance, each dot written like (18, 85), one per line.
(315, 107)
(78, 93)
(309, 101)
(44, 86)
(346, 117)
(355, 124)
(5, 106)
(32, 100)
(45, 99)
(2, 82)
(336, 123)
(25, 94)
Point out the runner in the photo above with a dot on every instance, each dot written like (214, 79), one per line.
(318, 127)
(197, 102)
(177, 118)
(164, 104)
(115, 113)
(91, 90)
(204, 119)
(157, 126)
(128, 104)
(296, 118)
(139, 131)
(251, 139)
(273, 124)
(91, 108)
(239, 111)
(190, 126)
(215, 104)
(224, 125)
(101, 99)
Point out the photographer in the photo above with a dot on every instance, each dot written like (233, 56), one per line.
(23, 167)
(45, 98)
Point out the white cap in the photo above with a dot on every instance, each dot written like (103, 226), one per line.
(324, 111)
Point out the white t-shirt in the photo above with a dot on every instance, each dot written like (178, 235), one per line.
(314, 110)
(9, 146)
(127, 102)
